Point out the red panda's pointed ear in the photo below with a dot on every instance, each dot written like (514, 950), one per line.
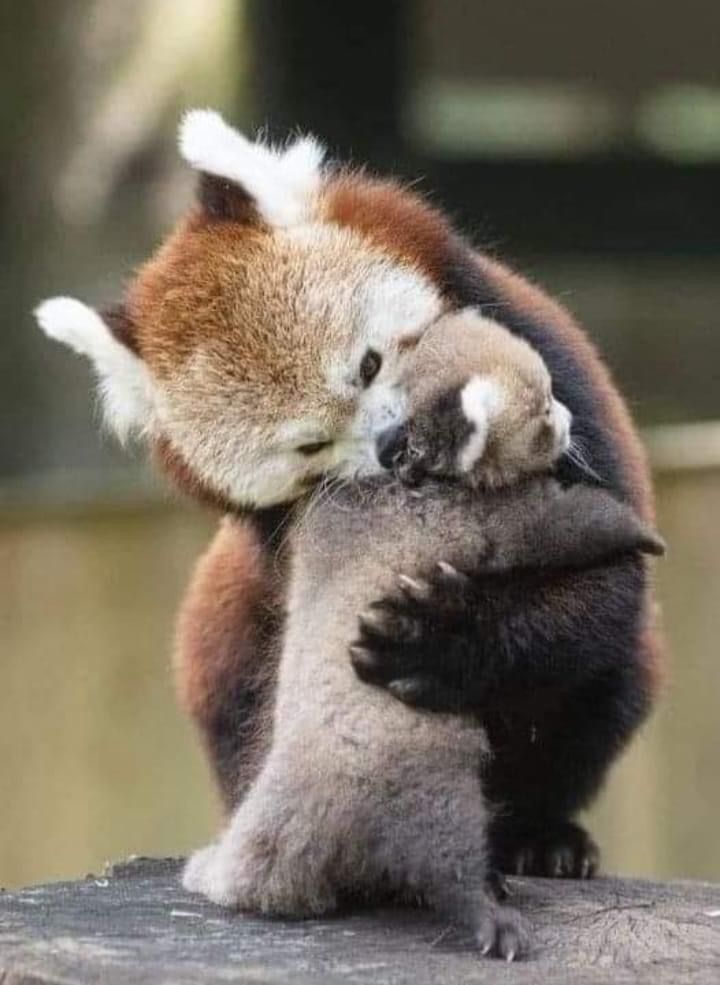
(126, 387)
(223, 200)
(117, 318)
(282, 184)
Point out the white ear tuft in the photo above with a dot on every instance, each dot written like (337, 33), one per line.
(73, 323)
(283, 183)
(124, 381)
(481, 400)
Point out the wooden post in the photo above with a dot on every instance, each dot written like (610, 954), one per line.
(136, 925)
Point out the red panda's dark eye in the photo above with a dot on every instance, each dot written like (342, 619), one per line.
(370, 366)
(313, 447)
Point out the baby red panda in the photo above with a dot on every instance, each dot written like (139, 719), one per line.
(262, 347)
(491, 426)
(359, 794)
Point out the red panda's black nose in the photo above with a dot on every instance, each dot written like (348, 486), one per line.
(390, 445)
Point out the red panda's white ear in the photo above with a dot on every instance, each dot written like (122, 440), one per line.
(125, 384)
(283, 183)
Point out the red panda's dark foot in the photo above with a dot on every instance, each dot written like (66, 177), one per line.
(400, 635)
(556, 848)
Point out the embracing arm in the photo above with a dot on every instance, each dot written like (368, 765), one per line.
(453, 641)
(558, 597)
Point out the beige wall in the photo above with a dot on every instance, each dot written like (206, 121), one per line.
(98, 763)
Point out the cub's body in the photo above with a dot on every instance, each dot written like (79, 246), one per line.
(358, 791)
(359, 794)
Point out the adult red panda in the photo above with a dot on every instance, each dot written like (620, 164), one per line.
(260, 348)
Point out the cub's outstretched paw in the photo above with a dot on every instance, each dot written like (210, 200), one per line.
(401, 635)
(557, 849)
(503, 933)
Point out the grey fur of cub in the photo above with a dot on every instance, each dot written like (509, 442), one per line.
(360, 794)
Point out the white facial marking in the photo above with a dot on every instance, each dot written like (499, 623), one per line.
(283, 182)
(397, 302)
(481, 399)
(125, 384)
(385, 304)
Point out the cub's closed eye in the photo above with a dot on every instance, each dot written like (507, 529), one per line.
(313, 447)
(370, 366)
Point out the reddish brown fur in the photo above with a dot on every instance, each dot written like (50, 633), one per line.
(174, 466)
(185, 277)
(215, 631)
(223, 670)
(397, 221)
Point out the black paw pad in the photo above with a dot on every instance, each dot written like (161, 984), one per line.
(557, 850)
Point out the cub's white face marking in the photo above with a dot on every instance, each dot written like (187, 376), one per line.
(283, 182)
(482, 399)
(126, 388)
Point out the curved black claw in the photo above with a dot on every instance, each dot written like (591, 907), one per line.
(400, 637)
(556, 849)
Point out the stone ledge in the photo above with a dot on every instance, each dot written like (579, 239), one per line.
(137, 926)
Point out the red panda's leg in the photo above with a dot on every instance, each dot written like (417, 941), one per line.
(224, 659)
(562, 668)
(544, 773)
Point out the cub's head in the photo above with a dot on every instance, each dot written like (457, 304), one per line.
(480, 408)
(265, 343)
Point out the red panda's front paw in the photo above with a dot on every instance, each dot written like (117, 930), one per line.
(557, 849)
(400, 637)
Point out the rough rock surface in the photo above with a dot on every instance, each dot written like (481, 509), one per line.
(136, 925)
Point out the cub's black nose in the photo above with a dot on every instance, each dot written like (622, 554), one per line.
(390, 445)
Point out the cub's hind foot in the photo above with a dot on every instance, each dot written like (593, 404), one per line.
(205, 873)
(556, 849)
(501, 932)
(241, 878)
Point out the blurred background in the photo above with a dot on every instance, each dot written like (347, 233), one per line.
(580, 141)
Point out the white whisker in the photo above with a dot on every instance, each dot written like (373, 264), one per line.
(576, 454)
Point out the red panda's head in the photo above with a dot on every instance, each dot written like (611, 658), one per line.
(264, 343)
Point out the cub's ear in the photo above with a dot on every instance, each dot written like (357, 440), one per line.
(481, 400)
(246, 180)
(125, 385)
(585, 525)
